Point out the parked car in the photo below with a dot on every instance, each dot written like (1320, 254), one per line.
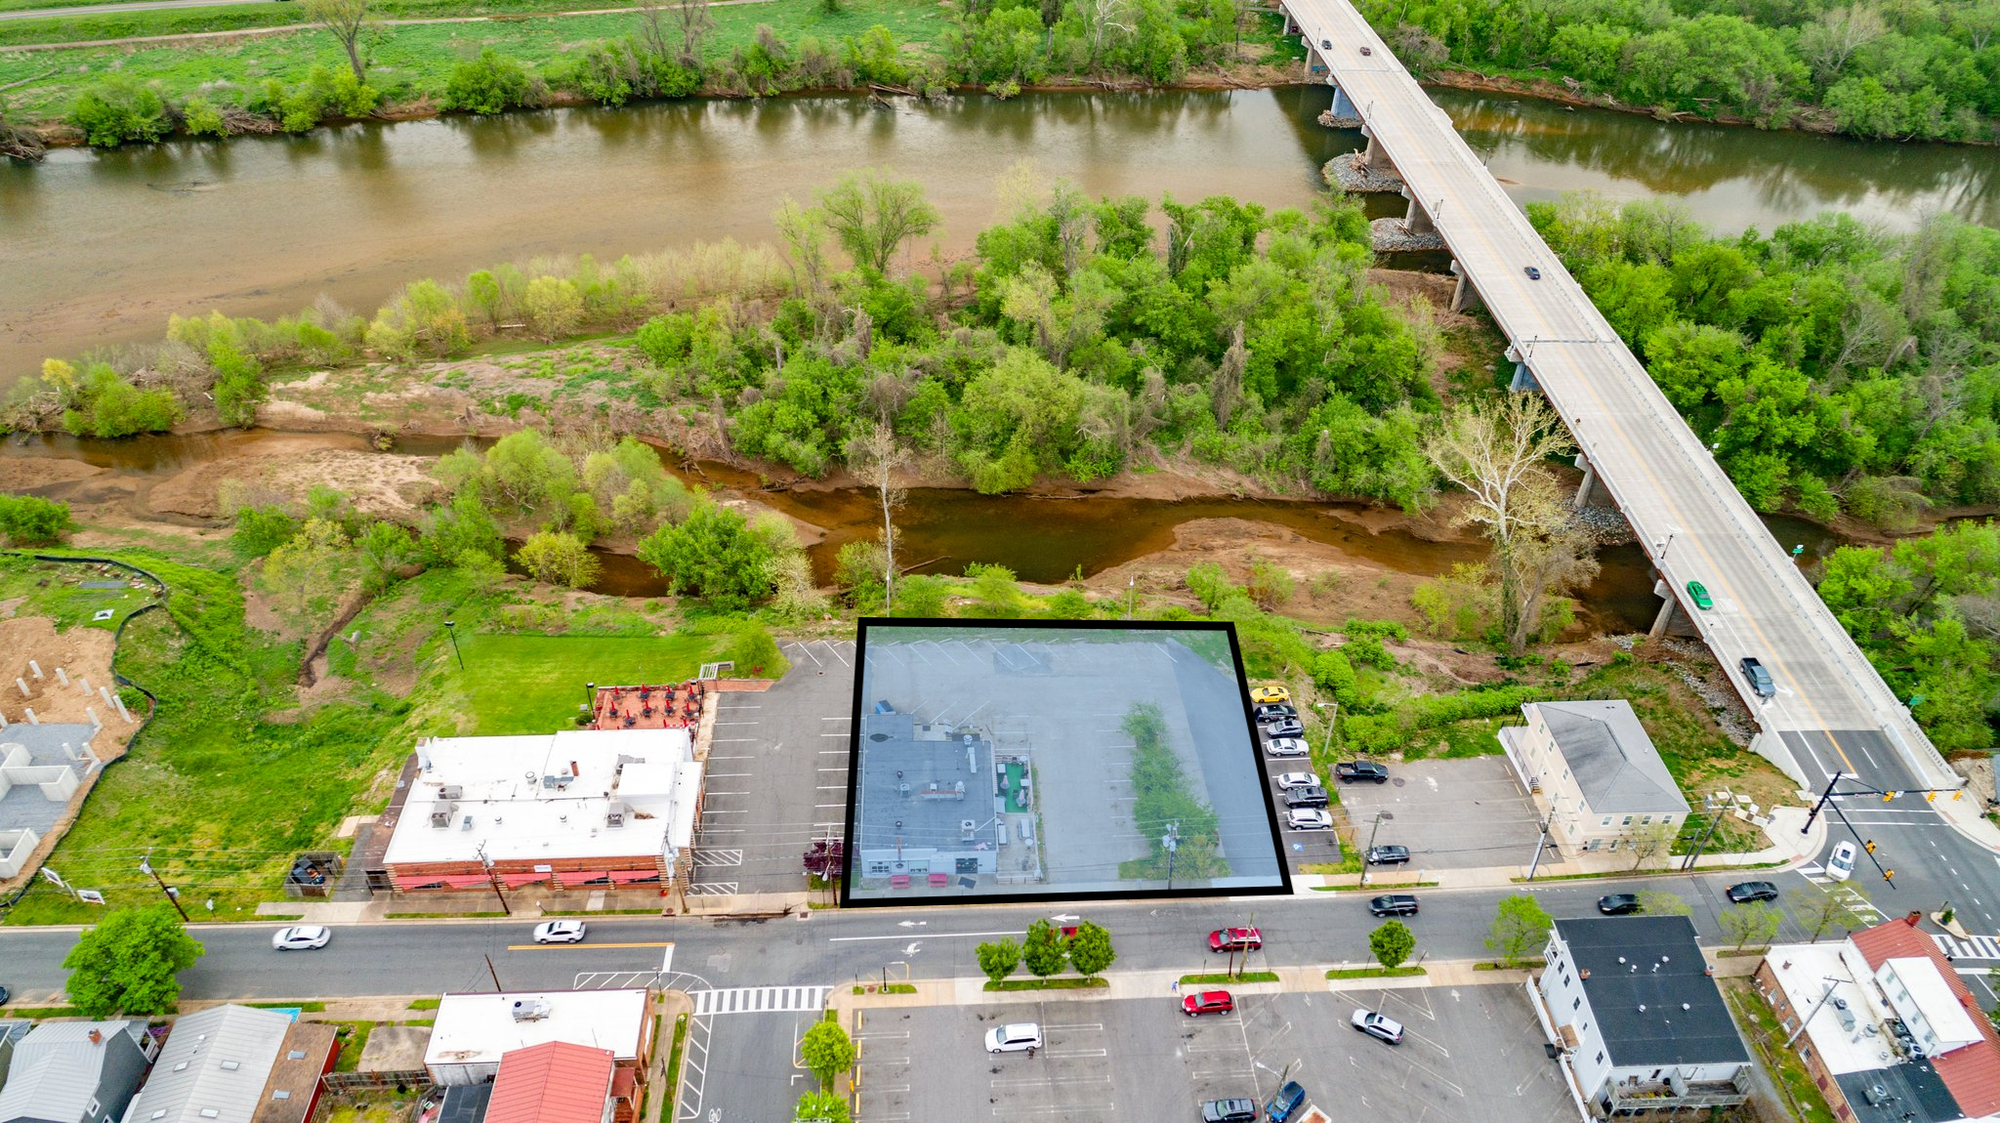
(1312, 795)
(1286, 1103)
(1699, 593)
(1016, 1038)
(1746, 891)
(1379, 1026)
(1271, 712)
(1285, 727)
(1534, 274)
(1235, 939)
(1289, 780)
(1208, 1002)
(1355, 771)
(559, 932)
(1367, 50)
(1618, 904)
(1326, 44)
(1229, 1111)
(1841, 865)
(1285, 746)
(1393, 904)
(1758, 677)
(1309, 819)
(3, 996)
(1388, 855)
(301, 937)
(1270, 694)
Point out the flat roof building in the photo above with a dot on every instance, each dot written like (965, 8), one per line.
(1593, 771)
(473, 1032)
(929, 810)
(575, 809)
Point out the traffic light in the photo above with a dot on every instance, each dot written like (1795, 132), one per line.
(1889, 875)
(1870, 845)
(1887, 796)
(1930, 797)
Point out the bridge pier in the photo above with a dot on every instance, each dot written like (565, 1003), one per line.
(1374, 159)
(1464, 298)
(1416, 219)
(1673, 619)
(1591, 492)
(1524, 379)
(1344, 114)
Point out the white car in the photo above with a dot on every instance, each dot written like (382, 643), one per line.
(1017, 1038)
(1378, 1026)
(1289, 780)
(302, 937)
(1308, 819)
(1285, 746)
(559, 932)
(1842, 862)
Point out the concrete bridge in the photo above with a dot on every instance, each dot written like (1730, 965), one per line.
(1831, 710)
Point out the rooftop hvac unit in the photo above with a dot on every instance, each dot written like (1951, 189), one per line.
(968, 738)
(451, 791)
(559, 781)
(441, 814)
(614, 813)
(902, 789)
(465, 824)
(529, 1009)
(965, 829)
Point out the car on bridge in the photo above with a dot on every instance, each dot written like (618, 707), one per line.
(1758, 678)
(1744, 892)
(1699, 593)
(1534, 274)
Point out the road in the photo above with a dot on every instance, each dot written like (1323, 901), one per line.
(116, 9)
(1832, 710)
(426, 957)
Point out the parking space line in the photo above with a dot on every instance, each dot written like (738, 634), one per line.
(807, 648)
(1456, 1090)
(1043, 1082)
(832, 752)
(1079, 1053)
(1053, 1025)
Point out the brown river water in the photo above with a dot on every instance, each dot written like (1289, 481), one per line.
(97, 248)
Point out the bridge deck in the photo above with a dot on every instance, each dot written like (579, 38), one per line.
(1664, 480)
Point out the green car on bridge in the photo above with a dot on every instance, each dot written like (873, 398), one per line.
(1700, 595)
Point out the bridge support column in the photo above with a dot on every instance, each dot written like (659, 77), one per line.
(1343, 106)
(1588, 492)
(1291, 25)
(1373, 158)
(1524, 379)
(1416, 220)
(1464, 297)
(1671, 620)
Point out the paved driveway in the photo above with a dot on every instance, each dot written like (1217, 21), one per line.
(1452, 814)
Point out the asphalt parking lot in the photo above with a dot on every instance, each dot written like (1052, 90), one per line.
(1452, 814)
(1469, 1052)
(777, 774)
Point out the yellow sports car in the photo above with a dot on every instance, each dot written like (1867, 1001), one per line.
(1265, 695)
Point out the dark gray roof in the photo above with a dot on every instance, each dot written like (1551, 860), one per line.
(901, 758)
(1654, 962)
(1907, 1093)
(1611, 757)
(465, 1103)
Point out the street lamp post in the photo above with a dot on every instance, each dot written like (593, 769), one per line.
(451, 629)
(1379, 816)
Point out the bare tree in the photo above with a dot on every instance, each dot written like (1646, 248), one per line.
(695, 24)
(1105, 16)
(1829, 41)
(1228, 384)
(875, 456)
(1817, 910)
(805, 233)
(1496, 452)
(1651, 841)
(348, 20)
(872, 214)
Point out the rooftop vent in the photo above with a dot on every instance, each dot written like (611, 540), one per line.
(231, 1066)
(281, 1094)
(451, 791)
(965, 829)
(614, 813)
(465, 824)
(529, 1009)
(442, 813)
(1642, 1007)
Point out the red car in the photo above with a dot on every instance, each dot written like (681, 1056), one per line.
(1235, 939)
(1208, 1002)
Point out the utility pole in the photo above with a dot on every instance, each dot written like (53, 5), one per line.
(1714, 820)
(497, 988)
(494, 877)
(1379, 816)
(146, 867)
(1332, 725)
(1823, 798)
(1831, 982)
(1541, 844)
(1172, 841)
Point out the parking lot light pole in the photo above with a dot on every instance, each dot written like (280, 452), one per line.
(1379, 816)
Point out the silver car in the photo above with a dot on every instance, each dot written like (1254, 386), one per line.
(1017, 1038)
(1308, 819)
(1289, 780)
(302, 937)
(1379, 1026)
(1285, 746)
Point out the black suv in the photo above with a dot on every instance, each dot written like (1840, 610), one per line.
(1388, 855)
(1394, 904)
(1272, 711)
(1618, 904)
(1312, 795)
(1747, 891)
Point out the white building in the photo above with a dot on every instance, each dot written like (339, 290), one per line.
(1594, 772)
(473, 1031)
(1641, 1027)
(581, 808)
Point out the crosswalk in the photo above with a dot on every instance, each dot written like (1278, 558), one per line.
(1972, 947)
(757, 1000)
(711, 889)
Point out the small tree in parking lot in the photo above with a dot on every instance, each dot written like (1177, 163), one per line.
(827, 1051)
(1392, 944)
(998, 960)
(1659, 902)
(1520, 925)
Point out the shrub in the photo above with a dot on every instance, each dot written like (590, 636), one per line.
(423, 319)
(108, 405)
(119, 109)
(201, 117)
(491, 83)
(667, 339)
(553, 307)
(29, 520)
(259, 530)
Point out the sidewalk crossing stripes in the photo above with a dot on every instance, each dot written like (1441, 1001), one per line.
(1972, 947)
(757, 1000)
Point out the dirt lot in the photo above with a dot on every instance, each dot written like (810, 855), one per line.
(80, 652)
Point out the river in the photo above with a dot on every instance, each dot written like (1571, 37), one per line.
(102, 246)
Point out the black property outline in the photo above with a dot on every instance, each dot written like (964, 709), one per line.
(926, 900)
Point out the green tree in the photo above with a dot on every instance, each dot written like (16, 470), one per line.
(387, 548)
(490, 83)
(1752, 923)
(823, 1107)
(924, 596)
(713, 555)
(872, 214)
(559, 559)
(1817, 910)
(1090, 950)
(259, 530)
(1392, 944)
(999, 958)
(1043, 949)
(998, 594)
(1659, 902)
(1520, 927)
(553, 307)
(827, 1051)
(130, 963)
(301, 574)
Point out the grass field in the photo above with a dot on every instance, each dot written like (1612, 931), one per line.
(534, 684)
(410, 61)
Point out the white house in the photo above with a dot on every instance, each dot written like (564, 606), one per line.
(473, 1031)
(1594, 773)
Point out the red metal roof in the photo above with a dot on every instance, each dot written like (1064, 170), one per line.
(1972, 1073)
(556, 1082)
